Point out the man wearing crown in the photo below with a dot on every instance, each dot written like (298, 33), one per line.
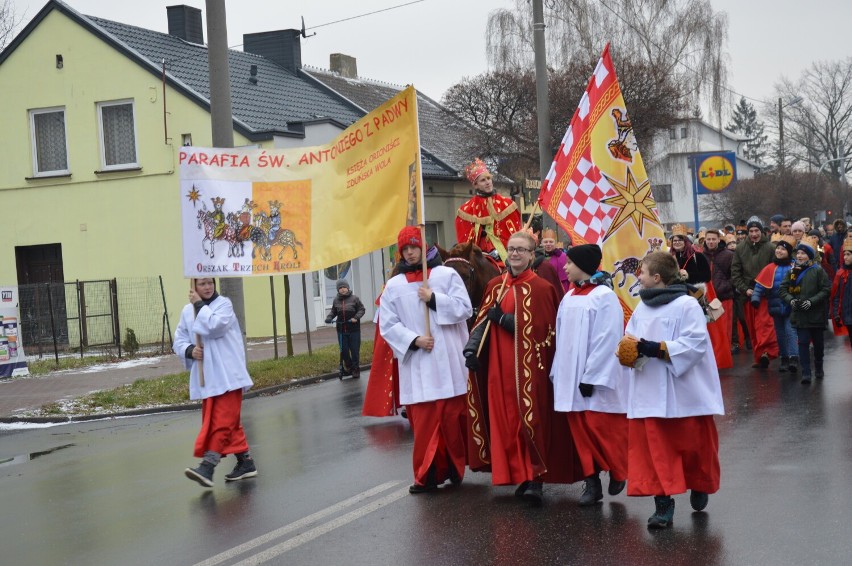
(218, 216)
(487, 218)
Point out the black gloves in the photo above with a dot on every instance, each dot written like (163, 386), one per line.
(505, 320)
(648, 348)
(586, 389)
(805, 305)
(328, 319)
(471, 362)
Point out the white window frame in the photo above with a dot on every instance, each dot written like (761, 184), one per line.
(33, 141)
(118, 166)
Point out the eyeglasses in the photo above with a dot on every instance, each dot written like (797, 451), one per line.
(513, 250)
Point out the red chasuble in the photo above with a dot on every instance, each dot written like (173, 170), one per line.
(497, 215)
(513, 431)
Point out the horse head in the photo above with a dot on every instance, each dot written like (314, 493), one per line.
(473, 268)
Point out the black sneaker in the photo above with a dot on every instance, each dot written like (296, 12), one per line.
(782, 367)
(806, 379)
(663, 516)
(735, 349)
(818, 373)
(698, 500)
(764, 361)
(592, 491)
(522, 488)
(416, 488)
(203, 474)
(793, 365)
(243, 470)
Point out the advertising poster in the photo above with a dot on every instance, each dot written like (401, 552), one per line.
(12, 360)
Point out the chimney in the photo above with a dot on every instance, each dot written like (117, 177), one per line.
(344, 65)
(281, 47)
(185, 23)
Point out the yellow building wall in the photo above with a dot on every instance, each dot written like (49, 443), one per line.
(116, 224)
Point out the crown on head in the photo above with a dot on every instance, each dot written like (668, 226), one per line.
(218, 201)
(548, 233)
(679, 230)
(847, 245)
(475, 169)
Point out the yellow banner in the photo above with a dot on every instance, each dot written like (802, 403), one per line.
(251, 212)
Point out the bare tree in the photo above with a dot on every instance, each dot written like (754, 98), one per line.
(502, 106)
(679, 40)
(8, 22)
(818, 124)
(788, 192)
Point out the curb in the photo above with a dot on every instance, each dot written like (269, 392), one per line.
(263, 392)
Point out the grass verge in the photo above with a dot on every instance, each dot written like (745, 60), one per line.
(173, 389)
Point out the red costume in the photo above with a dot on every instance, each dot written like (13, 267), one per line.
(487, 218)
(512, 429)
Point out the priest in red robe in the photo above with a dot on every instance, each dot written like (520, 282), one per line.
(512, 429)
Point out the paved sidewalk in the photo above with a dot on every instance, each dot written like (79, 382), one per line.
(30, 393)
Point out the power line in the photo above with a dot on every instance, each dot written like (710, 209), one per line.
(366, 14)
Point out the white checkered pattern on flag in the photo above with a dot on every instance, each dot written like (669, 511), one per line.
(581, 206)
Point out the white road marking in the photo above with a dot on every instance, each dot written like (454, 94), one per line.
(320, 530)
(304, 522)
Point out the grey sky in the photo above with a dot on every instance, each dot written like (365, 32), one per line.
(433, 44)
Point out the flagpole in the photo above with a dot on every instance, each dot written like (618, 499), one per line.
(198, 342)
(422, 209)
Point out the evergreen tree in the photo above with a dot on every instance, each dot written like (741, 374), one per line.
(744, 121)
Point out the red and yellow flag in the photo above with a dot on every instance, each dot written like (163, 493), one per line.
(597, 189)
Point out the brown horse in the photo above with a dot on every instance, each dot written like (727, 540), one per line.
(475, 270)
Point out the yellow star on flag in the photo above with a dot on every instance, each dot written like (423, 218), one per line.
(634, 203)
(193, 195)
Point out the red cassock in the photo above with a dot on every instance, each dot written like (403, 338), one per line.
(671, 456)
(762, 330)
(513, 431)
(720, 331)
(221, 429)
(484, 219)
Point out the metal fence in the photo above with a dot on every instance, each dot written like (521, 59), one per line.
(85, 317)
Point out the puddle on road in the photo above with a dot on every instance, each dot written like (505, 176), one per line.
(31, 456)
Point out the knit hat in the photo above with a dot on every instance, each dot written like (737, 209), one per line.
(753, 222)
(342, 283)
(409, 236)
(788, 241)
(798, 225)
(776, 218)
(587, 257)
(806, 247)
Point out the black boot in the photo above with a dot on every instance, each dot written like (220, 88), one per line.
(785, 361)
(592, 491)
(663, 516)
(793, 365)
(818, 373)
(244, 469)
(534, 494)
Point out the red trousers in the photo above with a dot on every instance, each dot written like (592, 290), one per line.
(221, 430)
(439, 438)
(601, 442)
(670, 456)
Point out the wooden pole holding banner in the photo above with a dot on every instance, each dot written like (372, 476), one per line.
(198, 343)
(500, 294)
(428, 332)
(536, 208)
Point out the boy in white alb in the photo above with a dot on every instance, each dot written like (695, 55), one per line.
(588, 383)
(674, 393)
(432, 374)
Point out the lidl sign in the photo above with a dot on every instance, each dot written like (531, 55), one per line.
(714, 172)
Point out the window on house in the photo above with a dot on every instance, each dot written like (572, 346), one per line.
(118, 135)
(662, 193)
(431, 230)
(683, 133)
(50, 147)
(672, 134)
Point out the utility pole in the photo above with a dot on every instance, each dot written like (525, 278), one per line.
(222, 121)
(545, 156)
(780, 135)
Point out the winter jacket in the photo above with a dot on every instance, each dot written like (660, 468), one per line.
(836, 242)
(696, 266)
(749, 259)
(841, 296)
(777, 307)
(345, 308)
(720, 261)
(812, 285)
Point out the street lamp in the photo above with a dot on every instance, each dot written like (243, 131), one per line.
(781, 107)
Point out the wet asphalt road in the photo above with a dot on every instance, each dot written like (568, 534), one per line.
(333, 485)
